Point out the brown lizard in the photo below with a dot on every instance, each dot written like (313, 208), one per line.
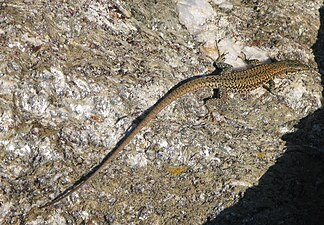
(236, 81)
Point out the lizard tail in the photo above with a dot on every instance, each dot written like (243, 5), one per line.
(186, 86)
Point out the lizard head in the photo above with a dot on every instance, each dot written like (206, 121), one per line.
(295, 66)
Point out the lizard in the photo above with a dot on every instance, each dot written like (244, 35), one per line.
(234, 81)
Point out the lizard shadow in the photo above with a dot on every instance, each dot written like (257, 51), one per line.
(292, 190)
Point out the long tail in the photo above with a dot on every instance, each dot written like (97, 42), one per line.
(176, 92)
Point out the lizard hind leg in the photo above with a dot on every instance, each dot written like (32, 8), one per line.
(219, 64)
(215, 102)
(217, 105)
(218, 95)
(221, 67)
(250, 62)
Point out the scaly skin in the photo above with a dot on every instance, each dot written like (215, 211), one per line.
(237, 81)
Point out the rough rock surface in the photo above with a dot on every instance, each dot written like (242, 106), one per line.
(74, 75)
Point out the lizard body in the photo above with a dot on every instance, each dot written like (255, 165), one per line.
(236, 81)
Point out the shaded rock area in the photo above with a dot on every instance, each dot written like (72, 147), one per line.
(75, 75)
